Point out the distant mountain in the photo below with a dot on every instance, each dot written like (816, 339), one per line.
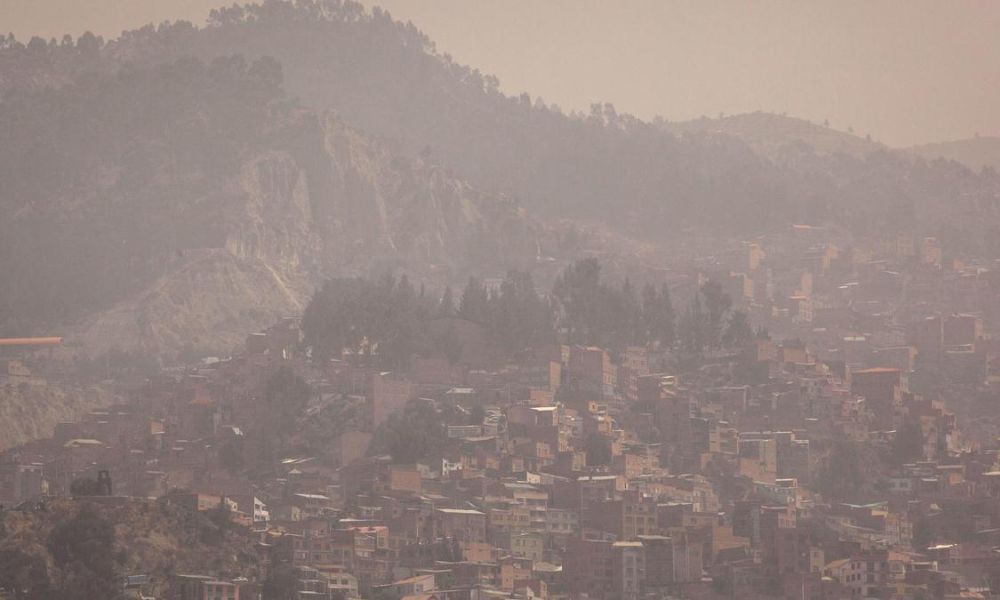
(975, 153)
(771, 134)
(388, 78)
(181, 185)
(186, 204)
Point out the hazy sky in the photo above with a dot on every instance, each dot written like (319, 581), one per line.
(906, 71)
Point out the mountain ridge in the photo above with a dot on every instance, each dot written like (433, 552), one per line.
(975, 153)
(154, 132)
(770, 133)
(223, 240)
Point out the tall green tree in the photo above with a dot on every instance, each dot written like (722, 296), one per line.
(738, 332)
(474, 304)
(841, 476)
(286, 395)
(446, 307)
(517, 316)
(598, 450)
(631, 324)
(908, 444)
(717, 305)
(84, 549)
(659, 320)
(24, 576)
(693, 327)
(578, 288)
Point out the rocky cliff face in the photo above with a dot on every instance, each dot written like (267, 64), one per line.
(327, 202)
(31, 411)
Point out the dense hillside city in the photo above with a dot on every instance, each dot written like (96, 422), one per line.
(298, 307)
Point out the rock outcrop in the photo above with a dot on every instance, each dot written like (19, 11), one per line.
(30, 411)
(330, 203)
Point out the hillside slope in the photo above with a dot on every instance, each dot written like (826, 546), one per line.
(208, 206)
(185, 199)
(352, 211)
(771, 134)
(975, 153)
(153, 538)
(32, 411)
(387, 77)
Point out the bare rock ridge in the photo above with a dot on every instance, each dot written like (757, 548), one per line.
(349, 209)
(976, 153)
(30, 411)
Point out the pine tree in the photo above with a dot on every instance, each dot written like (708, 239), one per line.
(446, 307)
(738, 332)
(717, 304)
(474, 305)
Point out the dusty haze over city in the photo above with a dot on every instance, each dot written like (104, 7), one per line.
(499, 300)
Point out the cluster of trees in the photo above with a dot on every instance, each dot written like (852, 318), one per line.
(384, 319)
(279, 399)
(85, 486)
(389, 319)
(415, 433)
(597, 313)
(849, 465)
(88, 44)
(282, 582)
(515, 316)
(613, 317)
(82, 550)
(711, 323)
(841, 475)
(598, 450)
(23, 575)
(285, 398)
(908, 444)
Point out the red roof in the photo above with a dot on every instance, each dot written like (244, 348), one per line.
(32, 341)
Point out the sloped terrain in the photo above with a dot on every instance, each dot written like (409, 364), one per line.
(975, 153)
(153, 538)
(770, 134)
(31, 411)
(211, 221)
(183, 184)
